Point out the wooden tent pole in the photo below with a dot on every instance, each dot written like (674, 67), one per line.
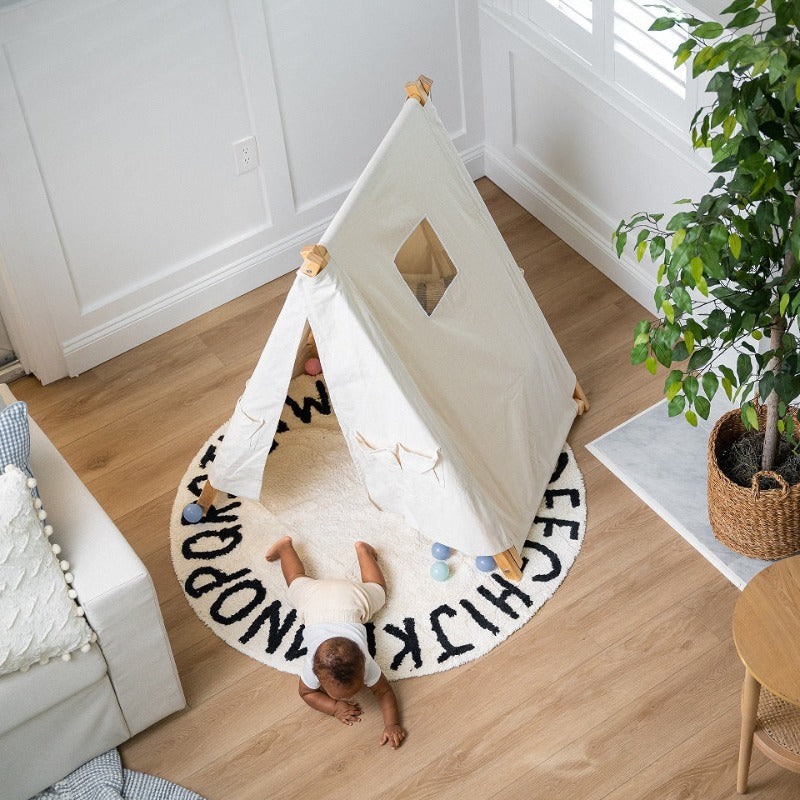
(580, 397)
(509, 562)
(420, 89)
(315, 258)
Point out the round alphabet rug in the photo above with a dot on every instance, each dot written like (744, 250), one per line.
(312, 492)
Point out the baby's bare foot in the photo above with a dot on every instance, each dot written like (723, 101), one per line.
(368, 549)
(274, 553)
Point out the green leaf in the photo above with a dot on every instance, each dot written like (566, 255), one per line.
(620, 243)
(735, 245)
(669, 311)
(710, 384)
(679, 221)
(766, 384)
(682, 299)
(744, 367)
(678, 237)
(663, 24)
(784, 303)
(676, 405)
(691, 418)
(639, 354)
(690, 387)
(641, 249)
(696, 266)
(657, 245)
(708, 30)
(750, 416)
(726, 385)
(702, 406)
(688, 338)
(700, 358)
(652, 365)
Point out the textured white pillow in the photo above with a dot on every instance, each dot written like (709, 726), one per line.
(39, 618)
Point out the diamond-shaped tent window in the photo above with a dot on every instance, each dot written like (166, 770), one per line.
(425, 266)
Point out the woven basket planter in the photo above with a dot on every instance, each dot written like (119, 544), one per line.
(761, 523)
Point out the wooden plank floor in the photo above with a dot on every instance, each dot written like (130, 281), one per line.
(625, 685)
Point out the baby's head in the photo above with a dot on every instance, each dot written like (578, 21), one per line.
(339, 666)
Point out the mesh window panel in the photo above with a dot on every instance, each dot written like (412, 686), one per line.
(425, 266)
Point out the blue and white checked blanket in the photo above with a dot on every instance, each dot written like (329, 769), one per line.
(103, 778)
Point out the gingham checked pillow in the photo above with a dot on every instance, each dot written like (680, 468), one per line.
(15, 439)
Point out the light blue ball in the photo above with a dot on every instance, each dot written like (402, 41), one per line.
(485, 563)
(193, 513)
(440, 571)
(440, 551)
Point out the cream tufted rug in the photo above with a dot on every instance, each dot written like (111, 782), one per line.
(311, 491)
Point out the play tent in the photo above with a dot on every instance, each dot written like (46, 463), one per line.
(452, 393)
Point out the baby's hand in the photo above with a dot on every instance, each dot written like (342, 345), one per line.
(347, 712)
(394, 734)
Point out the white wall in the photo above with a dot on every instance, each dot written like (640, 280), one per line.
(573, 149)
(121, 213)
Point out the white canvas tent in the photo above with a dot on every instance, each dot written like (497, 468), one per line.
(454, 415)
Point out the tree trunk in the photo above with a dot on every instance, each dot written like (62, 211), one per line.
(771, 425)
(777, 330)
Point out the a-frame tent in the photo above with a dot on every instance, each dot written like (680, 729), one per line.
(452, 393)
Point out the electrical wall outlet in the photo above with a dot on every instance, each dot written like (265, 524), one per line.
(245, 152)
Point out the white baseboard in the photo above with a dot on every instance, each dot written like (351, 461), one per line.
(187, 302)
(573, 224)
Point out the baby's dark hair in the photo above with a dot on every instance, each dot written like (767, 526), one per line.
(339, 658)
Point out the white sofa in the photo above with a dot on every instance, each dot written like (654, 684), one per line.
(57, 716)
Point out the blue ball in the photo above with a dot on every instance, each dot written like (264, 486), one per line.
(440, 551)
(485, 563)
(193, 513)
(440, 571)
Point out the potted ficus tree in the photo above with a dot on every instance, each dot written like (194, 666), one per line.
(728, 278)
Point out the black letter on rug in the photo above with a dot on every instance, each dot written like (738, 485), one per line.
(563, 460)
(500, 600)
(323, 405)
(208, 456)
(573, 494)
(448, 648)
(554, 561)
(229, 538)
(370, 626)
(277, 630)
(549, 522)
(259, 593)
(479, 618)
(410, 643)
(219, 578)
(296, 649)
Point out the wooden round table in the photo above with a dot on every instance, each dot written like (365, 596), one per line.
(766, 631)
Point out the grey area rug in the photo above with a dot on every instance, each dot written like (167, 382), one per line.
(663, 461)
(103, 778)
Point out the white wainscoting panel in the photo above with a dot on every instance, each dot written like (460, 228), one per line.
(121, 211)
(578, 159)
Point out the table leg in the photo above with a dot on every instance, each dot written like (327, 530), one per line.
(750, 694)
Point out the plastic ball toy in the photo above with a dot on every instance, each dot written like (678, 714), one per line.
(440, 551)
(312, 366)
(193, 513)
(440, 571)
(485, 563)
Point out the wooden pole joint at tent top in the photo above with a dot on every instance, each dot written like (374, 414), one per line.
(420, 89)
(509, 562)
(315, 257)
(580, 398)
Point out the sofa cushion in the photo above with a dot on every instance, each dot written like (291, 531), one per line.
(25, 695)
(38, 615)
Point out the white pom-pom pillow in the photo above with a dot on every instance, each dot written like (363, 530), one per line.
(39, 618)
